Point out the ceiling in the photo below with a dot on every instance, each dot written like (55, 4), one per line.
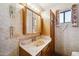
(45, 7)
(54, 6)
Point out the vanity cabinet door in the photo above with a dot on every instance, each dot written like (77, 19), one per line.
(39, 54)
(46, 51)
(22, 52)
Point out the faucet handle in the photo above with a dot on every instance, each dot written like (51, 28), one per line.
(33, 39)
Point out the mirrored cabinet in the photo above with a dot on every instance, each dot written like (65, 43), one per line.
(34, 22)
(31, 22)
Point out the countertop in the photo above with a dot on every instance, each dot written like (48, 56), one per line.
(33, 49)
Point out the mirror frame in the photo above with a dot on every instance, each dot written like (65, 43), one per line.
(24, 19)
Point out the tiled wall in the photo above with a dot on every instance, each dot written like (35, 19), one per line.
(7, 45)
(5, 20)
(67, 40)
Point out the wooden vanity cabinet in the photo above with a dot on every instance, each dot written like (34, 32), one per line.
(22, 52)
(46, 51)
(39, 54)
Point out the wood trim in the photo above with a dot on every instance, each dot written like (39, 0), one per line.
(24, 17)
(30, 9)
(21, 20)
(41, 26)
(52, 30)
(24, 20)
(32, 33)
(57, 16)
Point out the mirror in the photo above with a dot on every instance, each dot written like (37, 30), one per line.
(29, 22)
(32, 22)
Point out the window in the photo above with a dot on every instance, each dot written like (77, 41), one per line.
(61, 15)
(68, 16)
(65, 16)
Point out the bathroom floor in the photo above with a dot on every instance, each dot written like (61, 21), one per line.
(57, 54)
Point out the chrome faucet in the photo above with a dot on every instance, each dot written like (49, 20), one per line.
(33, 39)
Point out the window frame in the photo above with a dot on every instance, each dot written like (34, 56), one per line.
(64, 12)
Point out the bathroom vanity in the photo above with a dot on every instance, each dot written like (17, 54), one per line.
(37, 44)
(39, 47)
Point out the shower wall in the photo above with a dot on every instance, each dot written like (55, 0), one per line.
(67, 39)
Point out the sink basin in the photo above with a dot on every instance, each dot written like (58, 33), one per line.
(26, 42)
(36, 43)
(34, 46)
(39, 42)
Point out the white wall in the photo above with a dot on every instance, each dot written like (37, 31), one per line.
(8, 45)
(5, 20)
(4, 16)
(67, 40)
(18, 20)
